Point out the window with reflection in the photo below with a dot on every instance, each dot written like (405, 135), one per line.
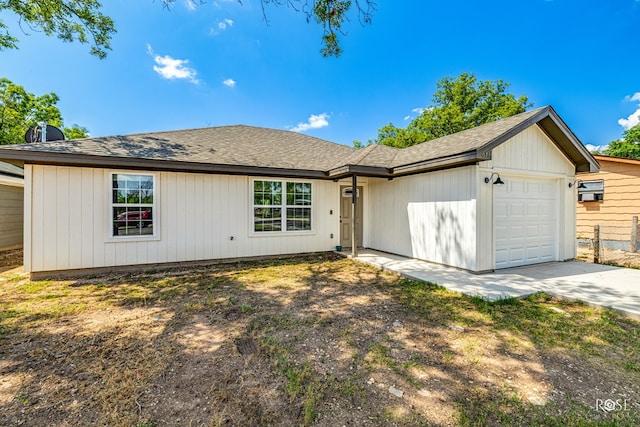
(591, 191)
(132, 204)
(281, 206)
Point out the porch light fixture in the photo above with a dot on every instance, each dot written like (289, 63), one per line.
(580, 184)
(498, 181)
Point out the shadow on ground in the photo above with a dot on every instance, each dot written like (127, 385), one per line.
(307, 341)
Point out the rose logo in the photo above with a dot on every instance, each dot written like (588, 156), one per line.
(609, 405)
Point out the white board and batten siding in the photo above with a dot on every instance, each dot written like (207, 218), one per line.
(11, 214)
(530, 219)
(197, 216)
(428, 216)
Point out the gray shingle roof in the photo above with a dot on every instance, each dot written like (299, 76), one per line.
(232, 149)
(226, 145)
(461, 142)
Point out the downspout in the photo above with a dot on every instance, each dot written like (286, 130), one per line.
(354, 211)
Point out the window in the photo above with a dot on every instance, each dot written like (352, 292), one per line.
(348, 192)
(281, 206)
(132, 204)
(591, 191)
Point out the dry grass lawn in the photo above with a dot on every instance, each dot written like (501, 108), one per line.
(314, 340)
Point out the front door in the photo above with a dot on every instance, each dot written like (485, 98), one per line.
(345, 217)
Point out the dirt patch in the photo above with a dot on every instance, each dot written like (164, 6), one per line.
(308, 341)
(610, 256)
(10, 259)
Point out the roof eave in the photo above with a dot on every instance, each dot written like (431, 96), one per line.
(369, 171)
(11, 181)
(83, 160)
(568, 142)
(457, 160)
(600, 157)
(556, 129)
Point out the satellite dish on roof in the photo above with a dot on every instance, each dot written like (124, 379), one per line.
(50, 133)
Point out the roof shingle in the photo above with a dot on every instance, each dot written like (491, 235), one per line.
(264, 149)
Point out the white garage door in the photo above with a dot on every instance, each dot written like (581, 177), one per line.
(526, 221)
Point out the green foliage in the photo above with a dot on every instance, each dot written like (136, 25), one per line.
(76, 132)
(20, 110)
(628, 146)
(331, 14)
(83, 21)
(632, 134)
(459, 103)
(69, 20)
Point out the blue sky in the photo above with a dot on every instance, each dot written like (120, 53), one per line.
(220, 64)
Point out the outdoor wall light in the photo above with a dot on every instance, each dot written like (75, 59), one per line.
(580, 184)
(498, 181)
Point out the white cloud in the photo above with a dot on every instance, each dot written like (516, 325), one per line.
(634, 118)
(634, 97)
(225, 23)
(593, 148)
(229, 83)
(316, 121)
(221, 26)
(417, 111)
(171, 68)
(190, 4)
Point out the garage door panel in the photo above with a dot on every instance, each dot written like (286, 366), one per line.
(501, 256)
(516, 209)
(532, 209)
(533, 253)
(515, 232)
(526, 213)
(547, 231)
(547, 252)
(546, 210)
(533, 231)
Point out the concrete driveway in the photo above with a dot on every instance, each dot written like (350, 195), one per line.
(600, 285)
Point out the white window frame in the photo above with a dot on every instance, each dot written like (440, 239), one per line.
(283, 207)
(154, 208)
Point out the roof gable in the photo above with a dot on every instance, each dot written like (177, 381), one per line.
(477, 143)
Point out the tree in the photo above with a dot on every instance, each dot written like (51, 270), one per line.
(628, 146)
(459, 103)
(19, 110)
(75, 132)
(69, 20)
(331, 14)
(83, 21)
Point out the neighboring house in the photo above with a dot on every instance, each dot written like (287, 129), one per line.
(610, 198)
(241, 191)
(11, 205)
